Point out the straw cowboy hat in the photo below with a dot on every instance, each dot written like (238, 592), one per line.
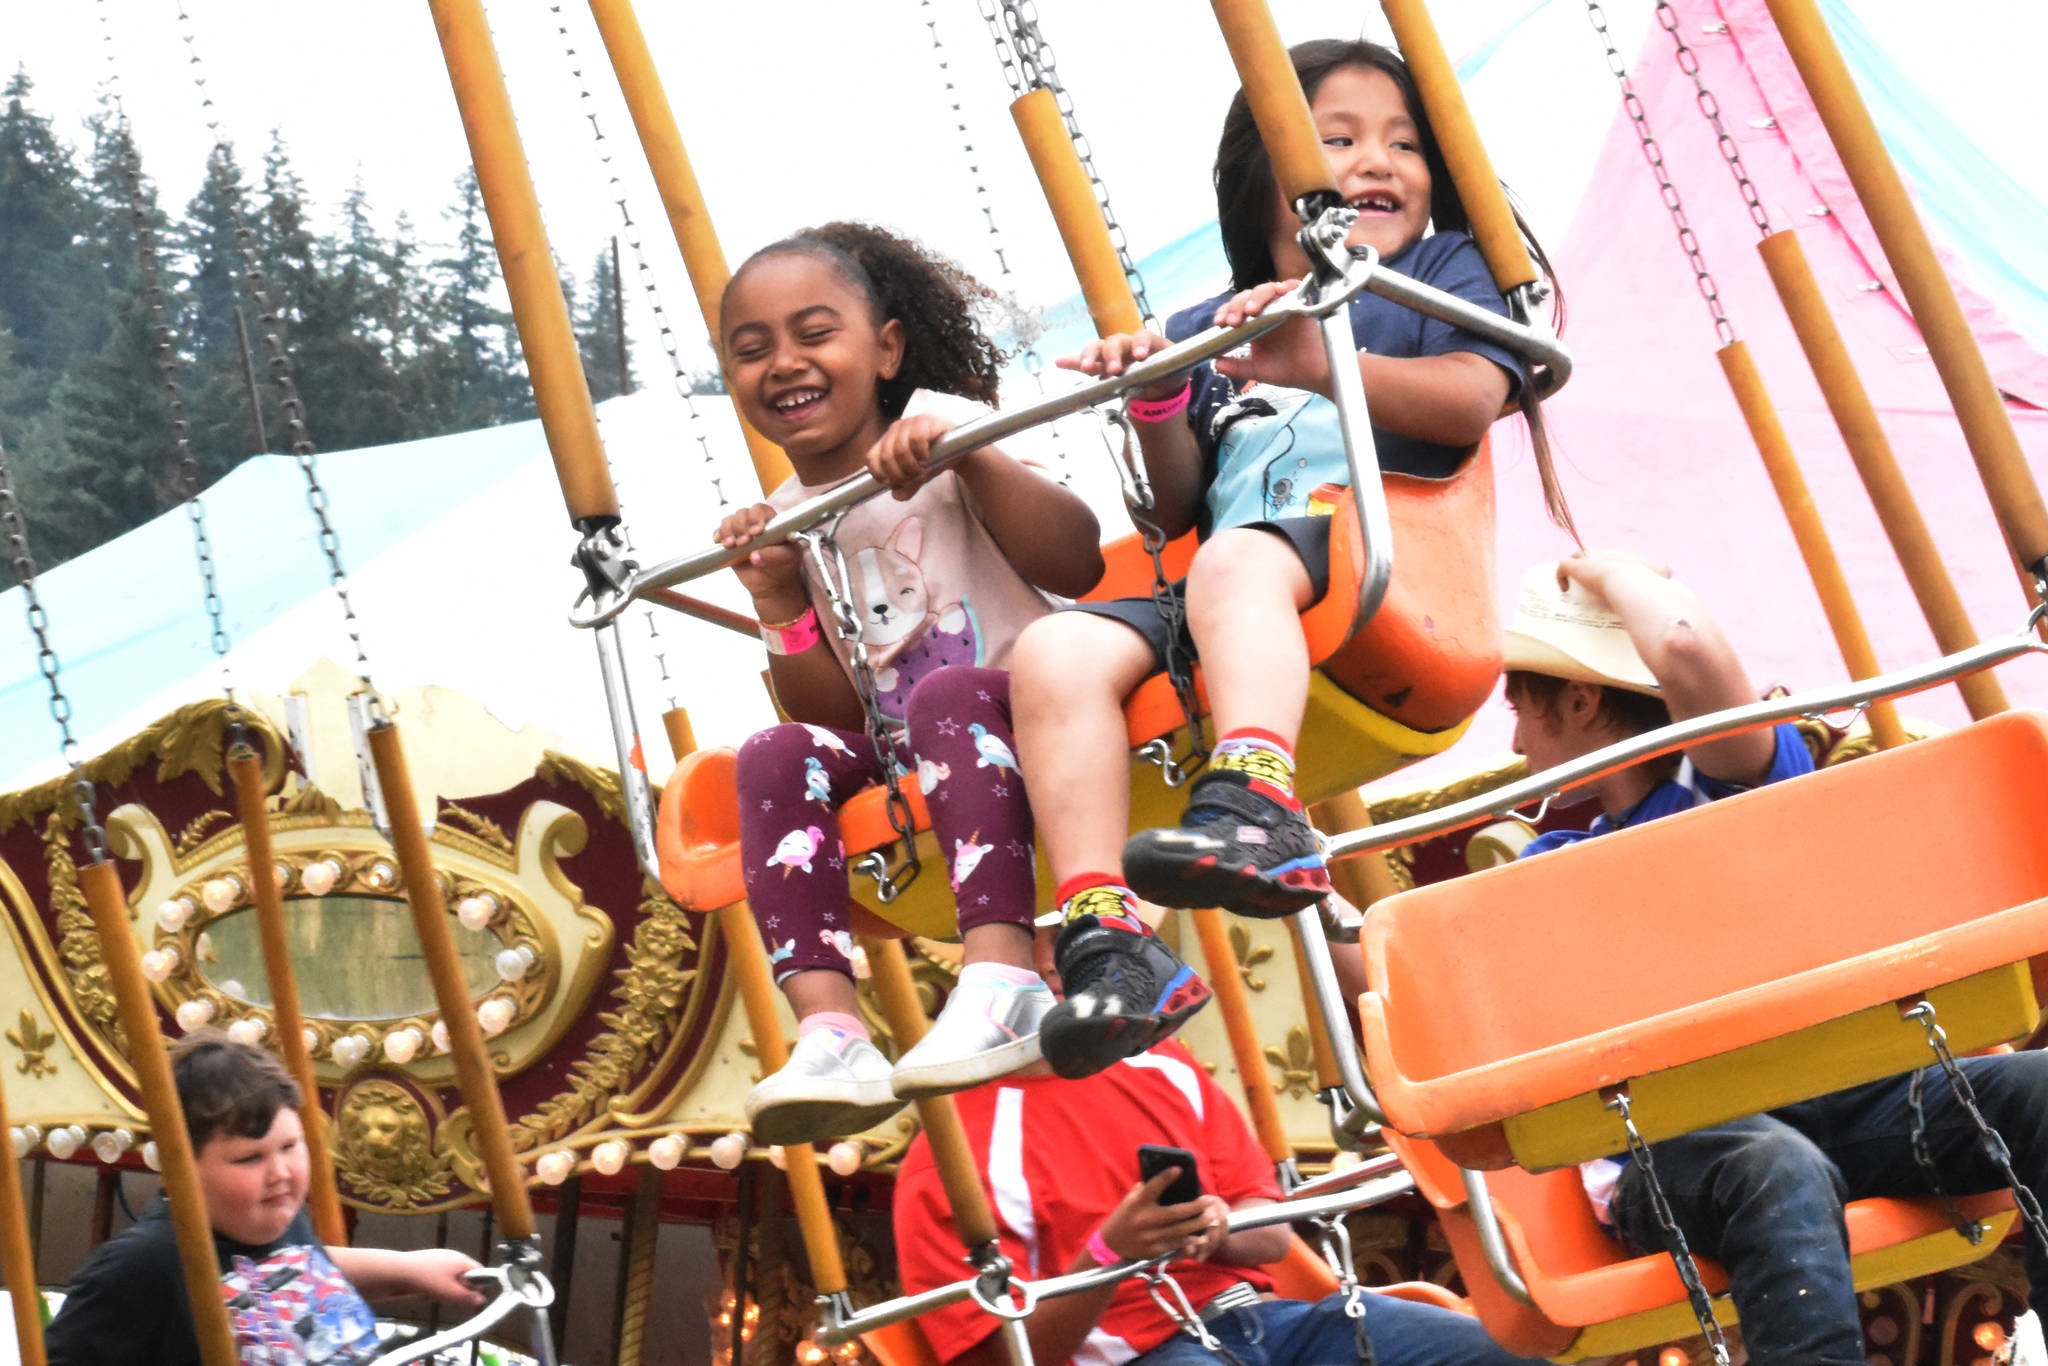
(1571, 633)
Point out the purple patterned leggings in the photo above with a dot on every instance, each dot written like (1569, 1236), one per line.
(793, 777)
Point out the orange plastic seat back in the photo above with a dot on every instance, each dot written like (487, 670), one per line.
(1538, 981)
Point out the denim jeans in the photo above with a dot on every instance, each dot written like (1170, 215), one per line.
(1764, 1195)
(1296, 1333)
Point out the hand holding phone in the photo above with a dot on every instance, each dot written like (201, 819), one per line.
(1154, 1158)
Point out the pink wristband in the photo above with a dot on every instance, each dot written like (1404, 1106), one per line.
(1160, 409)
(1102, 1252)
(796, 637)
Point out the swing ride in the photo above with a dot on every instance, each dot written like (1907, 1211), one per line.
(1470, 1084)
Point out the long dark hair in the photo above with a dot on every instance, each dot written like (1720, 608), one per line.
(945, 348)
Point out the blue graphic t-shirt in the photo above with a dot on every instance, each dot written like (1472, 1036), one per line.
(288, 1304)
(1267, 448)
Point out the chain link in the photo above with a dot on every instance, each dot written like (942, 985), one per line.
(1681, 1252)
(1028, 63)
(1688, 241)
(1034, 364)
(15, 532)
(830, 563)
(1710, 109)
(1966, 1226)
(280, 367)
(149, 256)
(1994, 1142)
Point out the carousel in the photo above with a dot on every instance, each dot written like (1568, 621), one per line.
(524, 995)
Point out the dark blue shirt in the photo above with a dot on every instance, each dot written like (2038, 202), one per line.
(1264, 451)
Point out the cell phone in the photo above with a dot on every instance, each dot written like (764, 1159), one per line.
(1154, 1158)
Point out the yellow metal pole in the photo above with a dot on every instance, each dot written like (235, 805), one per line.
(473, 1074)
(17, 1259)
(1987, 427)
(1812, 537)
(688, 218)
(1856, 417)
(1274, 93)
(1226, 980)
(973, 1218)
(137, 1010)
(1077, 213)
(538, 309)
(806, 1188)
(246, 769)
(1457, 137)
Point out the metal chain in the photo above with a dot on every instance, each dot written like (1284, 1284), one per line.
(280, 367)
(1034, 364)
(1681, 1252)
(822, 546)
(1966, 1226)
(150, 259)
(1335, 1236)
(24, 565)
(1994, 1142)
(1028, 63)
(1668, 192)
(1710, 109)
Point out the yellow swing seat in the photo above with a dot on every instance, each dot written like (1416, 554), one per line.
(1402, 687)
(1727, 960)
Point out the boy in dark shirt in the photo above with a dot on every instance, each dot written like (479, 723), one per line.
(290, 1299)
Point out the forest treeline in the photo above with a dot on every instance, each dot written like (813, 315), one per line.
(390, 336)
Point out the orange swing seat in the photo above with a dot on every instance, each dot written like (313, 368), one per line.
(1727, 960)
(1593, 1298)
(1403, 686)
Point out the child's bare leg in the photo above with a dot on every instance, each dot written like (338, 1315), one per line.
(1243, 842)
(1000, 942)
(820, 991)
(1246, 591)
(1069, 676)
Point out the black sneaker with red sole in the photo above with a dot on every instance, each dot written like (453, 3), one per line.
(1124, 992)
(1235, 848)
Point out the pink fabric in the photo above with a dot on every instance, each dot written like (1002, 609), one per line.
(1654, 454)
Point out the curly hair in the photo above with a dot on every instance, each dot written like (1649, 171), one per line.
(945, 347)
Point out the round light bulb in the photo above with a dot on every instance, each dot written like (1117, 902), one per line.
(109, 1146)
(845, 1157)
(196, 1013)
(495, 1015)
(173, 915)
(475, 912)
(23, 1138)
(809, 1353)
(320, 877)
(667, 1152)
(311, 1038)
(233, 987)
(401, 1046)
(151, 1158)
(248, 1030)
(609, 1157)
(729, 1150)
(351, 1049)
(220, 894)
(160, 964)
(515, 962)
(554, 1167)
(281, 875)
(63, 1142)
(381, 875)
(439, 1033)
(778, 1157)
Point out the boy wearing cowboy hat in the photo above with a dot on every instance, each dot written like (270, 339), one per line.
(1605, 646)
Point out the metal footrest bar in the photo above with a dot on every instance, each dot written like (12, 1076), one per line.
(1021, 1297)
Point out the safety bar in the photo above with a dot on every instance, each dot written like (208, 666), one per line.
(1322, 977)
(521, 1285)
(1534, 344)
(1343, 1178)
(839, 1326)
(1552, 782)
(1493, 1242)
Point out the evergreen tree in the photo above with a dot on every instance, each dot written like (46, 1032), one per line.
(598, 327)
(212, 267)
(42, 274)
(343, 371)
(470, 367)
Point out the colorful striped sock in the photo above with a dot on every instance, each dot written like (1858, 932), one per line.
(1263, 757)
(1103, 896)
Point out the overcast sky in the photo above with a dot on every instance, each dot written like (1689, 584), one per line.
(796, 111)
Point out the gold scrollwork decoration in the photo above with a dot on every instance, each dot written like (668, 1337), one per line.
(1248, 955)
(1297, 1064)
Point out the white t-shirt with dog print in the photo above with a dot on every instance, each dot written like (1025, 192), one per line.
(930, 583)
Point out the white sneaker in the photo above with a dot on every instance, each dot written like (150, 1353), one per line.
(833, 1085)
(987, 1030)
